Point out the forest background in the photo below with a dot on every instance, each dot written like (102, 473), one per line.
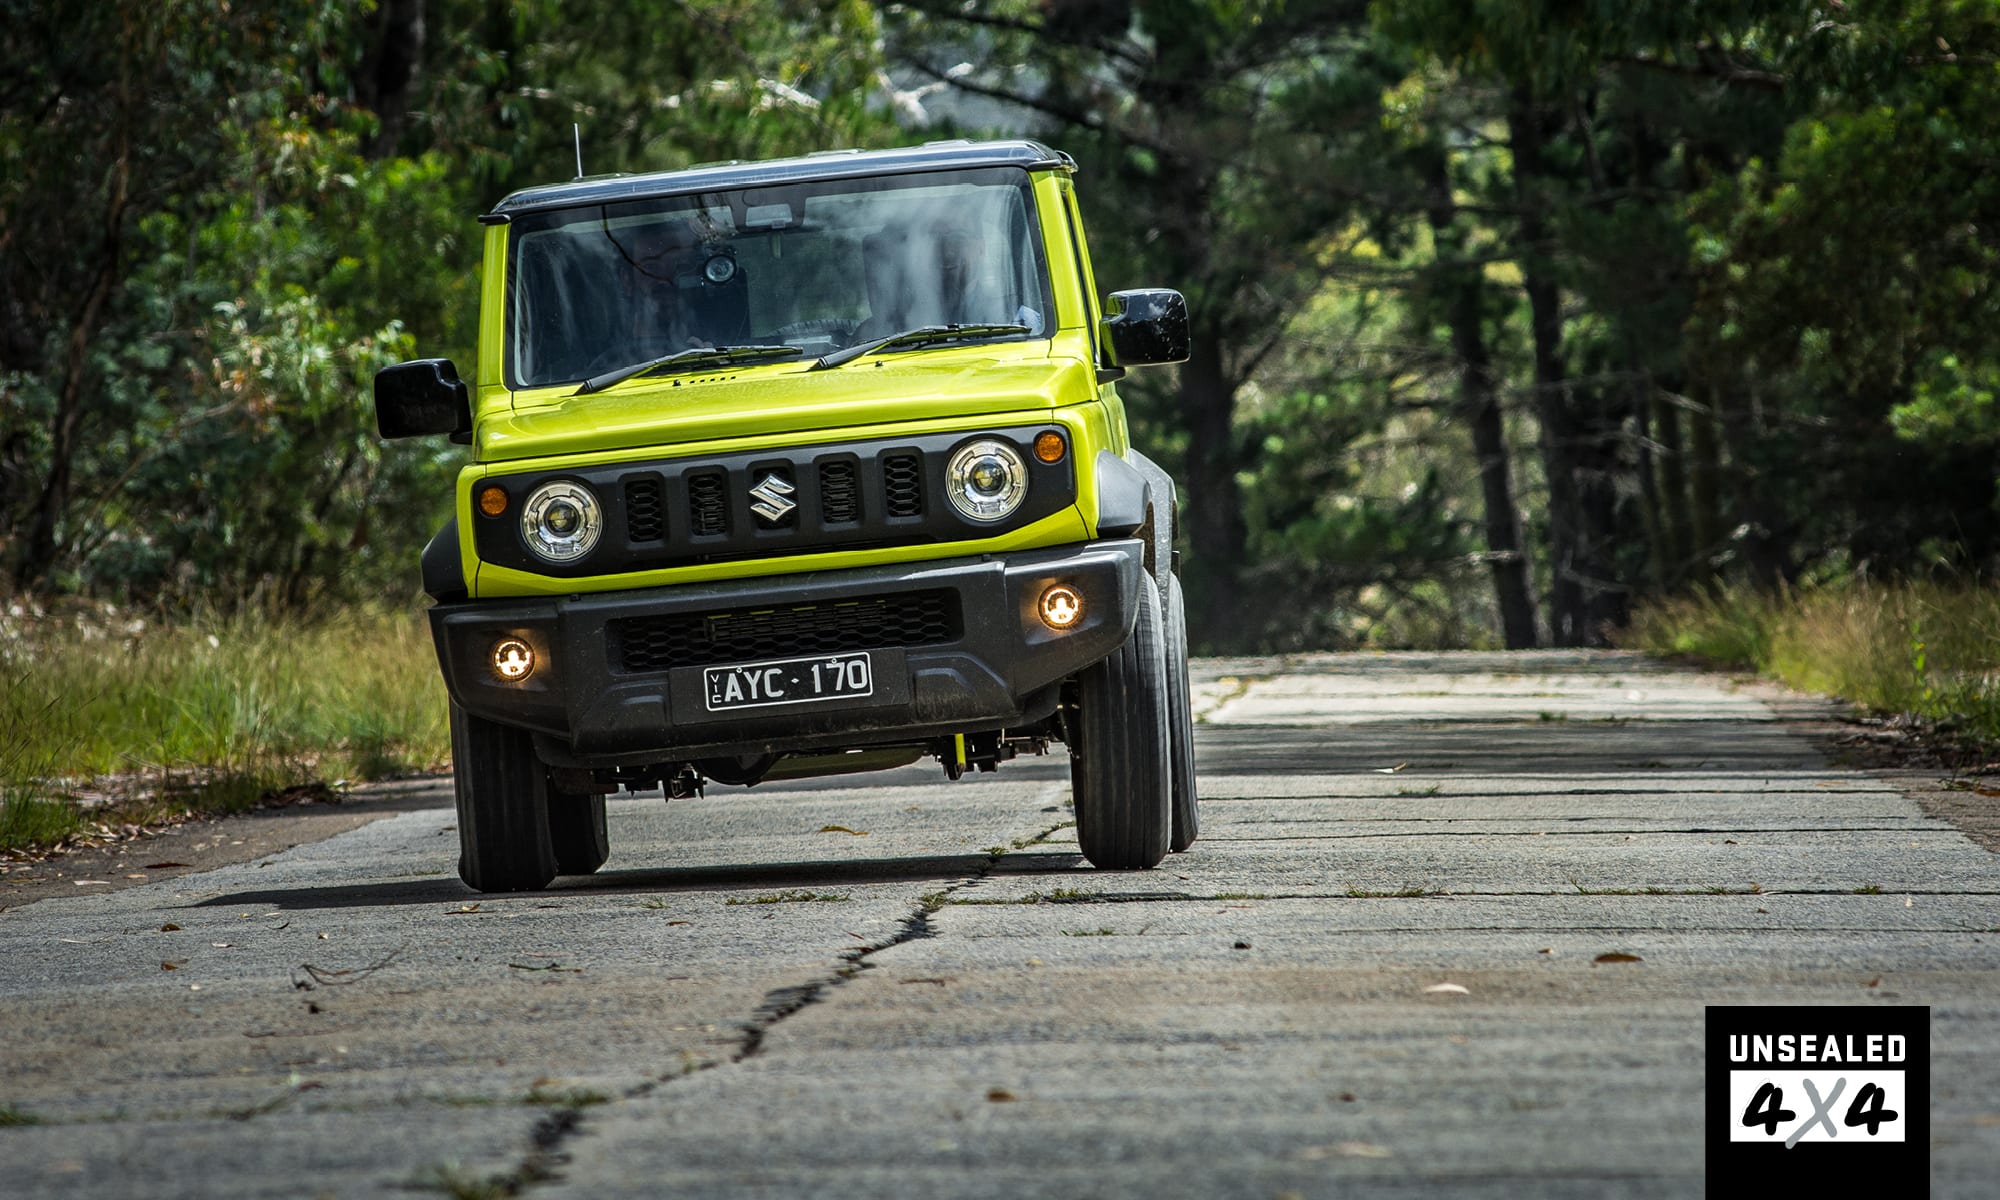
(1509, 314)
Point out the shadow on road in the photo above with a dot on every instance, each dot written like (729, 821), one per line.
(1559, 747)
(640, 880)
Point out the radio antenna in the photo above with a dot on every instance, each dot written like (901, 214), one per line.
(577, 130)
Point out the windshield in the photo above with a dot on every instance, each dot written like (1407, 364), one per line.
(817, 266)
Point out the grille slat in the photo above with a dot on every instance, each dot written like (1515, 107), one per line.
(640, 644)
(903, 485)
(645, 512)
(839, 493)
(708, 503)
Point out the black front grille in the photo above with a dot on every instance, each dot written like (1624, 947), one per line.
(903, 484)
(708, 503)
(657, 643)
(645, 512)
(856, 495)
(839, 493)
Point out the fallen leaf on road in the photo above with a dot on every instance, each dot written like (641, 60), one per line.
(1617, 958)
(222, 945)
(172, 965)
(1242, 946)
(1875, 982)
(139, 875)
(680, 922)
(1361, 1150)
(461, 910)
(1391, 770)
(1546, 950)
(554, 966)
(843, 829)
(82, 882)
(1000, 1095)
(170, 927)
(1451, 988)
(161, 866)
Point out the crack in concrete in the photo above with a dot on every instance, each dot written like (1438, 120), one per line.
(563, 1124)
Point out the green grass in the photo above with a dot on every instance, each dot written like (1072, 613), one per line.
(204, 714)
(1928, 650)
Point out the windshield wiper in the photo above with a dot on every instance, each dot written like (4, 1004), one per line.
(923, 335)
(695, 356)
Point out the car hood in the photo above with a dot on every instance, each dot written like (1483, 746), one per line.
(787, 398)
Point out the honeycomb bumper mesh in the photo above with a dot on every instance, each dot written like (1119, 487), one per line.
(643, 644)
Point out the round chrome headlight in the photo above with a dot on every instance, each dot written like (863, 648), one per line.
(561, 521)
(986, 480)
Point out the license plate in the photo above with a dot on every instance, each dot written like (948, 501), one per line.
(789, 681)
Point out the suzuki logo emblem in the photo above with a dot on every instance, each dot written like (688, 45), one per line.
(769, 498)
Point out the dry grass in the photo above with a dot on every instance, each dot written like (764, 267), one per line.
(103, 712)
(1929, 650)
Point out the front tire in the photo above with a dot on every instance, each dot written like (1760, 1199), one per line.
(1180, 718)
(1120, 764)
(503, 807)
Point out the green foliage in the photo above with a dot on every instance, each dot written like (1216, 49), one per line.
(209, 712)
(1929, 650)
(1711, 283)
(232, 218)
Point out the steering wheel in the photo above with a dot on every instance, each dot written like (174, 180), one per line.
(831, 327)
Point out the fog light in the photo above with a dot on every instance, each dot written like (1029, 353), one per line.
(513, 661)
(1049, 446)
(1061, 607)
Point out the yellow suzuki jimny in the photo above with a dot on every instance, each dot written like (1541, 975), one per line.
(797, 468)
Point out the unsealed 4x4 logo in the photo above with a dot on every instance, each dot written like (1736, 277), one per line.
(1833, 1096)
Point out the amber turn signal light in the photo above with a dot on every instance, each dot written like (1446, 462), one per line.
(493, 501)
(1050, 447)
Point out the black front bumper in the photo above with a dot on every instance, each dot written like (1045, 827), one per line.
(989, 663)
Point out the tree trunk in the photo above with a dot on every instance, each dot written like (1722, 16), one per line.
(1705, 489)
(38, 555)
(1677, 516)
(1766, 550)
(1462, 287)
(389, 73)
(1213, 508)
(1558, 428)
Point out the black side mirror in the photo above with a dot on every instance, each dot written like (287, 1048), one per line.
(1148, 325)
(417, 399)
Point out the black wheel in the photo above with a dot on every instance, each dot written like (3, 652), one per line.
(1180, 718)
(1120, 753)
(503, 807)
(576, 831)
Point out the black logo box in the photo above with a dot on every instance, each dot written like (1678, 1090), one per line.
(1853, 1167)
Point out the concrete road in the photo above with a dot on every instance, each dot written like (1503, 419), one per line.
(894, 986)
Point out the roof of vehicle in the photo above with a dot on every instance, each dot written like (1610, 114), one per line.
(825, 164)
